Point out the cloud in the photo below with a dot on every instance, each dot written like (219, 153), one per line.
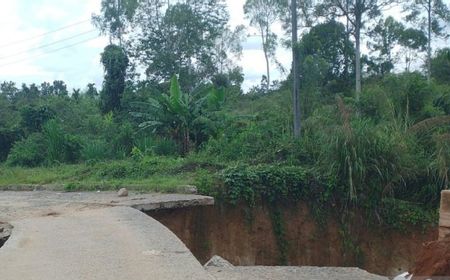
(79, 64)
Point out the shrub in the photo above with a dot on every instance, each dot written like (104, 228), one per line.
(7, 139)
(157, 146)
(95, 150)
(29, 152)
(61, 147)
(270, 183)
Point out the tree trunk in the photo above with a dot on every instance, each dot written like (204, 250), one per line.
(295, 74)
(266, 56)
(358, 57)
(429, 43)
(267, 69)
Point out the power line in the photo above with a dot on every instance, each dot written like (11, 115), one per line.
(47, 53)
(46, 45)
(44, 34)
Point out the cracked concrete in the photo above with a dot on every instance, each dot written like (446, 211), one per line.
(20, 205)
(115, 243)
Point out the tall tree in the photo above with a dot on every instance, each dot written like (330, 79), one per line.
(357, 13)
(440, 65)
(296, 77)
(229, 45)
(178, 39)
(384, 37)
(327, 46)
(115, 63)
(262, 15)
(431, 15)
(114, 16)
(412, 41)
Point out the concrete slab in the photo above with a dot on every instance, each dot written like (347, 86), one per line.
(291, 273)
(20, 205)
(112, 243)
(444, 215)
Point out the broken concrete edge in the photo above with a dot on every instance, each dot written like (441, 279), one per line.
(218, 261)
(180, 189)
(5, 232)
(444, 215)
(146, 207)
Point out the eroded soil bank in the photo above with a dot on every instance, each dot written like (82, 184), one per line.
(247, 237)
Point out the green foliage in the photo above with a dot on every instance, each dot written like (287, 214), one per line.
(7, 139)
(61, 147)
(268, 183)
(401, 215)
(28, 152)
(95, 150)
(115, 62)
(182, 117)
(440, 66)
(328, 50)
(34, 118)
(279, 230)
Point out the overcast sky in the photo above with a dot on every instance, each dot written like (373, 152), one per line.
(73, 53)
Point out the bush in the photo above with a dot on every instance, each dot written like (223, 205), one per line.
(271, 183)
(157, 146)
(7, 139)
(95, 150)
(29, 152)
(61, 147)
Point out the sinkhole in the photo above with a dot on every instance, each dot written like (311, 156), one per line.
(5, 233)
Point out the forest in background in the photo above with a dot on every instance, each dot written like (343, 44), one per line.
(375, 127)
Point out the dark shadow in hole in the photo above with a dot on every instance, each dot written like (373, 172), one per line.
(5, 233)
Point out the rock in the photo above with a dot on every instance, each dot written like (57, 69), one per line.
(403, 276)
(123, 192)
(217, 261)
(188, 189)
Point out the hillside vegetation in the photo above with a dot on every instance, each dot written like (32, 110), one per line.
(383, 150)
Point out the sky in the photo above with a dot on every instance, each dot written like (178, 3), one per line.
(34, 48)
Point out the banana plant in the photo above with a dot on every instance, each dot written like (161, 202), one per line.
(178, 113)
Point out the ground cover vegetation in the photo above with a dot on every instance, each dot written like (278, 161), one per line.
(381, 148)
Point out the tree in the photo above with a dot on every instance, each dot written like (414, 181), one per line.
(227, 45)
(296, 81)
(440, 66)
(178, 38)
(115, 63)
(9, 90)
(384, 37)
(431, 15)
(328, 44)
(60, 88)
(178, 113)
(262, 15)
(115, 14)
(357, 13)
(412, 42)
(91, 91)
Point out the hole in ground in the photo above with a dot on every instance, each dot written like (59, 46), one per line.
(5, 233)
(245, 237)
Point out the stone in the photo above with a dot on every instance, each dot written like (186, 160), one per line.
(444, 215)
(123, 192)
(217, 261)
(404, 276)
